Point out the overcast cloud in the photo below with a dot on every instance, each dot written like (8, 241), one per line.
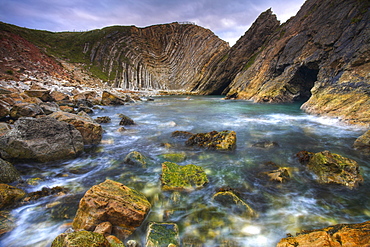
(228, 19)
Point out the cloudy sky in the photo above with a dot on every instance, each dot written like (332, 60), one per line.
(228, 19)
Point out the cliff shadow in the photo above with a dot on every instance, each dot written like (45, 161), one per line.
(303, 81)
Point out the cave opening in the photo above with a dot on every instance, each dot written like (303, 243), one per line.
(303, 81)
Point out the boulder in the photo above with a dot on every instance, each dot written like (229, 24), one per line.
(176, 177)
(49, 107)
(181, 134)
(8, 173)
(162, 234)
(25, 110)
(125, 120)
(338, 235)
(334, 168)
(41, 139)
(363, 143)
(4, 128)
(223, 140)
(112, 202)
(90, 130)
(80, 239)
(43, 95)
(101, 120)
(174, 157)
(111, 99)
(135, 158)
(5, 108)
(231, 201)
(59, 96)
(10, 195)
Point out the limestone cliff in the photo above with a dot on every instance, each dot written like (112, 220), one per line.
(320, 55)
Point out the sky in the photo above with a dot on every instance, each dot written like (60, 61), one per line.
(228, 19)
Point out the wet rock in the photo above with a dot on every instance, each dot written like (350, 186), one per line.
(25, 110)
(7, 223)
(59, 96)
(36, 195)
(111, 201)
(111, 99)
(265, 144)
(176, 177)
(43, 95)
(181, 134)
(80, 239)
(175, 157)
(363, 143)
(10, 195)
(90, 130)
(42, 139)
(125, 120)
(49, 107)
(304, 157)
(281, 174)
(162, 234)
(66, 108)
(135, 158)
(4, 128)
(5, 108)
(224, 140)
(8, 173)
(101, 120)
(337, 235)
(334, 168)
(104, 228)
(114, 241)
(231, 201)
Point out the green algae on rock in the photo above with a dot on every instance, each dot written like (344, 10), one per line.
(230, 200)
(334, 168)
(363, 143)
(162, 234)
(80, 239)
(135, 158)
(223, 140)
(9, 195)
(176, 177)
(174, 157)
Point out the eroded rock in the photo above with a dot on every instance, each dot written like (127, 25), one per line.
(223, 140)
(162, 234)
(80, 239)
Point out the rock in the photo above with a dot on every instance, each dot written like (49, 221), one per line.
(136, 159)
(265, 144)
(126, 120)
(337, 235)
(334, 168)
(111, 99)
(176, 157)
(114, 241)
(162, 234)
(10, 195)
(36, 195)
(59, 96)
(80, 239)
(280, 175)
(363, 143)
(224, 140)
(44, 95)
(111, 201)
(8, 173)
(181, 134)
(49, 107)
(7, 222)
(90, 130)
(176, 177)
(5, 108)
(304, 157)
(42, 139)
(4, 128)
(231, 201)
(104, 228)
(101, 120)
(25, 110)
(66, 108)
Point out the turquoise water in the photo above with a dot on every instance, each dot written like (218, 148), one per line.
(282, 208)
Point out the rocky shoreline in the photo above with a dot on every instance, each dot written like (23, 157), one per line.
(46, 122)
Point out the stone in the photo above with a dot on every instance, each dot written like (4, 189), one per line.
(5, 108)
(112, 202)
(223, 140)
(125, 120)
(90, 130)
(114, 241)
(281, 174)
(41, 139)
(36, 195)
(135, 158)
(334, 168)
(104, 228)
(265, 144)
(174, 157)
(8, 173)
(25, 110)
(49, 107)
(231, 201)
(162, 234)
(44, 95)
(4, 128)
(59, 96)
(363, 143)
(7, 222)
(111, 99)
(10, 195)
(188, 178)
(181, 134)
(80, 239)
(338, 235)
(101, 120)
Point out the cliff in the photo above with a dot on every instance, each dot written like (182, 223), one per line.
(320, 55)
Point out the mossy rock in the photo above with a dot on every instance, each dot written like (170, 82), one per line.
(223, 140)
(363, 143)
(10, 195)
(80, 239)
(176, 177)
(175, 157)
(231, 201)
(334, 168)
(162, 235)
(6, 222)
(8, 173)
(135, 158)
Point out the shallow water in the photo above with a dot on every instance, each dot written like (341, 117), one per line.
(283, 208)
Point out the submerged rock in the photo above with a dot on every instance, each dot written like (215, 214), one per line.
(337, 235)
(80, 239)
(101, 120)
(234, 203)
(363, 143)
(7, 223)
(125, 120)
(181, 134)
(41, 139)
(8, 173)
(176, 177)
(334, 168)
(175, 157)
(10, 195)
(223, 140)
(136, 158)
(162, 234)
(265, 144)
(112, 202)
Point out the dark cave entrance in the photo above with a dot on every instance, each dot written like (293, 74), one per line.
(303, 81)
